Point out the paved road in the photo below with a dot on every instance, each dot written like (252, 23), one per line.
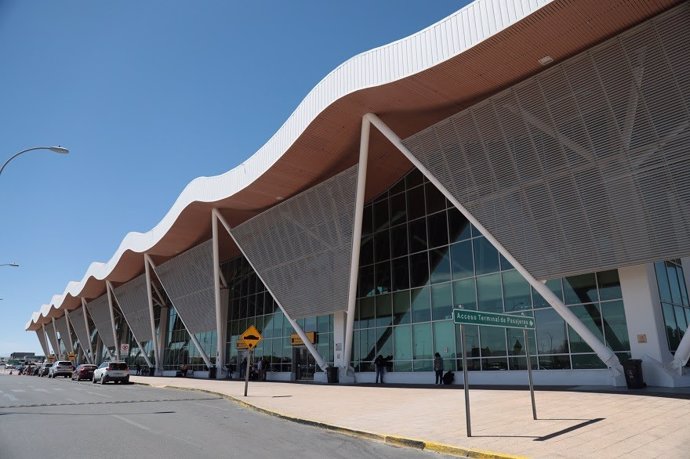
(42, 417)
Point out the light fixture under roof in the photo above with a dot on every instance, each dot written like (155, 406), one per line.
(546, 60)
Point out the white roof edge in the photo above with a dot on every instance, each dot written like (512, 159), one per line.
(385, 64)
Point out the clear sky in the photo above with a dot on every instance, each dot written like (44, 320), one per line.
(148, 96)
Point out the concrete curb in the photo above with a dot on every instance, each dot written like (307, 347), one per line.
(389, 439)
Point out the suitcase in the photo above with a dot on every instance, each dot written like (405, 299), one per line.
(448, 378)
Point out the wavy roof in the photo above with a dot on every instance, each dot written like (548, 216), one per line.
(410, 83)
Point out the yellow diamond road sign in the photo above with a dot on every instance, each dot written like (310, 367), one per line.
(251, 337)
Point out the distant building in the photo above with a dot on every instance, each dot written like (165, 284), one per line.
(22, 355)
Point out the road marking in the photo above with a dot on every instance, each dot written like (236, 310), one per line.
(11, 397)
(17, 390)
(135, 424)
(98, 395)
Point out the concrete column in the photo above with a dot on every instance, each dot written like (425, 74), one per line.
(645, 322)
(98, 358)
(339, 326)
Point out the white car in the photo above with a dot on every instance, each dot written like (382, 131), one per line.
(61, 368)
(111, 371)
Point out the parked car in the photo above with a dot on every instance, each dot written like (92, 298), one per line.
(61, 368)
(83, 371)
(43, 371)
(111, 371)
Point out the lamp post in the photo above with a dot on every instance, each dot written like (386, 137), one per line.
(58, 149)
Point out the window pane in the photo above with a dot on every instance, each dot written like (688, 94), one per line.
(384, 310)
(366, 281)
(444, 343)
(417, 235)
(401, 307)
(435, 200)
(555, 286)
(489, 293)
(419, 269)
(414, 178)
(439, 262)
(672, 332)
(662, 281)
(422, 341)
(367, 308)
(587, 362)
(421, 311)
(464, 294)
(493, 341)
(461, 259)
(382, 277)
(382, 250)
(516, 291)
(485, 256)
(673, 283)
(399, 241)
(367, 221)
(580, 289)
(609, 285)
(471, 341)
(551, 337)
(401, 274)
(441, 302)
(415, 203)
(384, 341)
(438, 230)
(458, 226)
(366, 250)
(590, 316)
(398, 209)
(403, 342)
(554, 362)
(381, 219)
(615, 326)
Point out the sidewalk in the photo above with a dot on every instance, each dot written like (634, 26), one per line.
(571, 424)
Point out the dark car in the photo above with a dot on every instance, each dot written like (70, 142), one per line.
(83, 371)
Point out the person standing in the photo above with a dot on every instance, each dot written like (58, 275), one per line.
(438, 368)
(380, 364)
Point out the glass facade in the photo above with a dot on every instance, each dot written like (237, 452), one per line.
(420, 258)
(674, 300)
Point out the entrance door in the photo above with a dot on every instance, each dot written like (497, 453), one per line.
(304, 364)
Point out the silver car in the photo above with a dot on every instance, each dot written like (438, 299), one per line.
(111, 371)
(61, 368)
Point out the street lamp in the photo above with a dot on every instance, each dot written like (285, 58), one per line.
(58, 149)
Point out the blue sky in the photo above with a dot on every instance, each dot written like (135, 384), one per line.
(147, 96)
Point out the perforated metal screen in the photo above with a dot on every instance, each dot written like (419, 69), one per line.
(133, 301)
(188, 282)
(100, 314)
(52, 338)
(302, 247)
(585, 166)
(61, 327)
(42, 339)
(76, 318)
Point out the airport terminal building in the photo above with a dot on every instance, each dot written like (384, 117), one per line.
(528, 157)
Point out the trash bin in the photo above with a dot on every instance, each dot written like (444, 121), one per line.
(212, 372)
(633, 374)
(332, 375)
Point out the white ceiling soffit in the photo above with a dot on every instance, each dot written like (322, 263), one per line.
(427, 48)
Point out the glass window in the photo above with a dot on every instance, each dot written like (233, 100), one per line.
(382, 277)
(493, 341)
(458, 226)
(551, 334)
(580, 289)
(417, 235)
(401, 274)
(461, 259)
(471, 341)
(441, 302)
(590, 316)
(555, 286)
(399, 187)
(444, 342)
(398, 209)
(609, 285)
(366, 281)
(587, 362)
(399, 241)
(439, 262)
(384, 341)
(672, 333)
(485, 256)
(438, 229)
(381, 218)
(464, 294)
(384, 310)
(382, 249)
(516, 291)
(435, 200)
(366, 250)
(489, 293)
(673, 282)
(662, 281)
(401, 307)
(323, 324)
(414, 178)
(419, 269)
(615, 326)
(367, 308)
(421, 311)
(367, 220)
(415, 203)
(403, 342)
(422, 341)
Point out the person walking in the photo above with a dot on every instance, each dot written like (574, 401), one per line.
(438, 368)
(380, 364)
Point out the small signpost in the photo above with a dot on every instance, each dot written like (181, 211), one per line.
(124, 349)
(248, 340)
(491, 319)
